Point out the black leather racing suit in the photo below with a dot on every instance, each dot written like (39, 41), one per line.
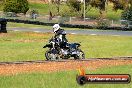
(60, 38)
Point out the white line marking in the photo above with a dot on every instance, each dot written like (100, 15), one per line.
(37, 31)
(73, 33)
(16, 30)
(93, 34)
(115, 35)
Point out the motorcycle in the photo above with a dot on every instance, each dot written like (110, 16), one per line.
(65, 51)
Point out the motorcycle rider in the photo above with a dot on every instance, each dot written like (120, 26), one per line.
(60, 48)
(60, 36)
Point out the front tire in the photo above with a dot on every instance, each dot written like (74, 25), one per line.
(47, 55)
(80, 56)
(50, 56)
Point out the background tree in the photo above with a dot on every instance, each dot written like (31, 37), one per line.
(101, 5)
(127, 13)
(78, 6)
(16, 6)
(120, 4)
(75, 5)
(57, 3)
(1, 1)
(126, 6)
(88, 5)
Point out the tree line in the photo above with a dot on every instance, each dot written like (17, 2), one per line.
(22, 6)
(77, 6)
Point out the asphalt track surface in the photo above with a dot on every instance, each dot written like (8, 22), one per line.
(81, 31)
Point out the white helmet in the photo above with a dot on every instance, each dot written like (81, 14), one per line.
(56, 27)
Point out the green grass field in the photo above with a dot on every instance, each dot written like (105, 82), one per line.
(22, 25)
(65, 79)
(18, 46)
(41, 8)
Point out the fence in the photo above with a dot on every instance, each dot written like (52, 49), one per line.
(55, 19)
(71, 21)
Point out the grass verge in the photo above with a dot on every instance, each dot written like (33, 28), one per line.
(22, 25)
(18, 46)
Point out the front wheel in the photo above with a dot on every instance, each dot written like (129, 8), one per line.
(50, 56)
(47, 55)
(80, 55)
